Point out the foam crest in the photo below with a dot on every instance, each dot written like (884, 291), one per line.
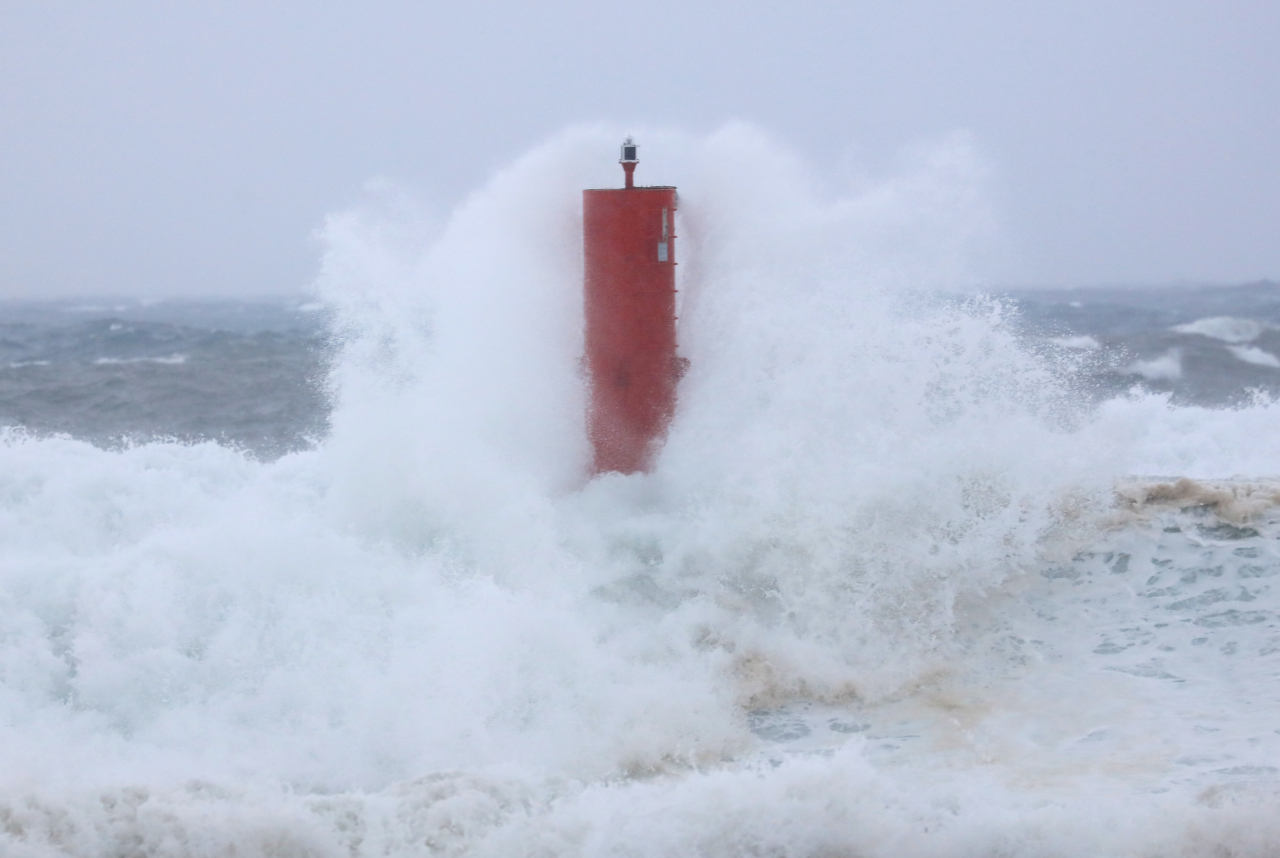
(1155, 437)
(1225, 328)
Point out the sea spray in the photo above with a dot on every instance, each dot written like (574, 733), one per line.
(874, 598)
(845, 460)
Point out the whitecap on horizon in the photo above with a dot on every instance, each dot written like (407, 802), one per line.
(1229, 329)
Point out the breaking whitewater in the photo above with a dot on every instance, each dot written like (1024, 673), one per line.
(897, 586)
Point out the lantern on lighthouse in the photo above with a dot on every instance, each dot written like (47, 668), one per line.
(628, 162)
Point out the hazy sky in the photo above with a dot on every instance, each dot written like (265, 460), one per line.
(193, 147)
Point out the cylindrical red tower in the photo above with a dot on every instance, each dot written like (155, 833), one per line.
(630, 291)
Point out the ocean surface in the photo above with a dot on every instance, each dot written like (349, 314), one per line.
(252, 374)
(915, 574)
(243, 374)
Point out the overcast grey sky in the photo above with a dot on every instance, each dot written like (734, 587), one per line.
(193, 147)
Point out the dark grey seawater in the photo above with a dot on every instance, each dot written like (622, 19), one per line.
(247, 374)
(251, 374)
(1215, 346)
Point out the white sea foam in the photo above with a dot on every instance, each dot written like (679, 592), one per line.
(1191, 441)
(1225, 328)
(1255, 355)
(169, 360)
(866, 603)
(1166, 367)
(96, 308)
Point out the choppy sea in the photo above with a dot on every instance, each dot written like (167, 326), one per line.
(244, 374)
(252, 374)
(914, 574)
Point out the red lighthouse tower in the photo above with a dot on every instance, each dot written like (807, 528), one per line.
(630, 294)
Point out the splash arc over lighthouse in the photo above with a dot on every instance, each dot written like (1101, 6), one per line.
(630, 302)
